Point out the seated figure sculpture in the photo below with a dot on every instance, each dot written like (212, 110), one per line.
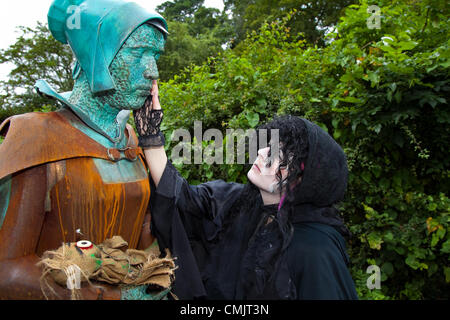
(79, 170)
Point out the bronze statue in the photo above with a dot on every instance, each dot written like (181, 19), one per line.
(80, 168)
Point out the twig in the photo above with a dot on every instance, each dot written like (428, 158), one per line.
(426, 21)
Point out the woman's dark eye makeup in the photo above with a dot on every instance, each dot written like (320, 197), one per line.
(268, 161)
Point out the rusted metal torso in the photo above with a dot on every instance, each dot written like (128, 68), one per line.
(55, 179)
(80, 199)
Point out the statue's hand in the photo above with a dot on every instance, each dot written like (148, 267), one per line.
(148, 121)
(140, 293)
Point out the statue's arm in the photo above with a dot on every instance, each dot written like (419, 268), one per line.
(22, 205)
(22, 202)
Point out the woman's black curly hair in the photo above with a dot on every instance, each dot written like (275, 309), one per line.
(293, 139)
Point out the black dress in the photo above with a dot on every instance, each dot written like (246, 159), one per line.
(188, 219)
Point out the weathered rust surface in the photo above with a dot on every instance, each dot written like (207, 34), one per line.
(101, 211)
(22, 225)
(56, 189)
(67, 194)
(35, 138)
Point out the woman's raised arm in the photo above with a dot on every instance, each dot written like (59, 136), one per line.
(148, 120)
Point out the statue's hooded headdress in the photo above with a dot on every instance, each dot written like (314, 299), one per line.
(95, 30)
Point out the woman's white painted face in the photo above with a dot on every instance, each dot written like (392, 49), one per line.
(263, 172)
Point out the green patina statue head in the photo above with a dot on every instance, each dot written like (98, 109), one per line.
(134, 68)
(132, 71)
(96, 30)
(116, 45)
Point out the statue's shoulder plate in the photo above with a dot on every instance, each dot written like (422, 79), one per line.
(36, 138)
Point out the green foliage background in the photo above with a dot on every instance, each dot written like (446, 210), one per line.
(381, 93)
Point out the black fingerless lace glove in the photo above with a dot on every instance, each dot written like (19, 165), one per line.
(148, 124)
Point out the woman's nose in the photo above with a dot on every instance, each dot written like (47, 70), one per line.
(263, 152)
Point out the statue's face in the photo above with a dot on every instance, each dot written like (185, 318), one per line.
(134, 68)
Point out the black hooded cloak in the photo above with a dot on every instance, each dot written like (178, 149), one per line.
(299, 253)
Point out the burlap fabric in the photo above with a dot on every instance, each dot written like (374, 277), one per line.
(109, 262)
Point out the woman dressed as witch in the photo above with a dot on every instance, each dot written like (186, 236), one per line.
(277, 237)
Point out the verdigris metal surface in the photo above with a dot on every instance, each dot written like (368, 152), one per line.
(102, 29)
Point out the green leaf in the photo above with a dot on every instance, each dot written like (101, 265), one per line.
(252, 118)
(346, 77)
(446, 247)
(393, 86)
(373, 77)
(374, 240)
(209, 174)
(389, 95)
(389, 236)
(323, 126)
(335, 122)
(185, 174)
(400, 250)
(370, 212)
(351, 100)
(336, 134)
(387, 268)
(367, 177)
(407, 45)
(412, 262)
(398, 96)
(261, 102)
(445, 64)
(447, 274)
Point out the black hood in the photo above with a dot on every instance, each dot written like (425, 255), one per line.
(325, 177)
(323, 184)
